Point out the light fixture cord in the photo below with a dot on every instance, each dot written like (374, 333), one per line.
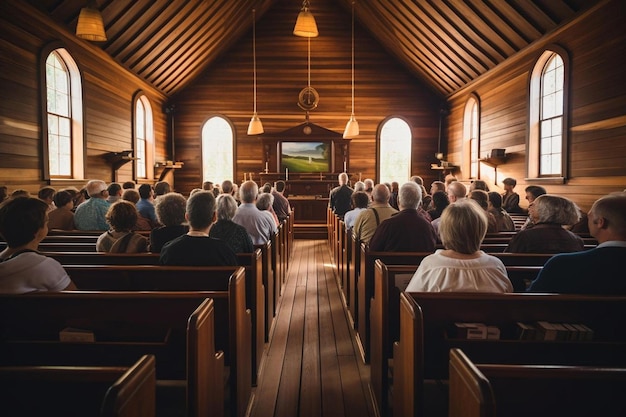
(254, 53)
(309, 60)
(353, 57)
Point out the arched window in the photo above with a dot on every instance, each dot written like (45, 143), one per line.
(218, 138)
(547, 142)
(471, 135)
(63, 123)
(144, 137)
(394, 153)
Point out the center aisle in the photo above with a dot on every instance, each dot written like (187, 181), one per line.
(312, 366)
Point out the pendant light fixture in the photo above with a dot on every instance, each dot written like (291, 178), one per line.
(255, 127)
(305, 23)
(352, 127)
(90, 25)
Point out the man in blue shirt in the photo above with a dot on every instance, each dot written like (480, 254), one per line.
(145, 205)
(91, 215)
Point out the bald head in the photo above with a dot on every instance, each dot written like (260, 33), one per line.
(248, 191)
(456, 191)
(380, 194)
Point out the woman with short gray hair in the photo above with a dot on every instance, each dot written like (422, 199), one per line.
(231, 233)
(549, 213)
(170, 211)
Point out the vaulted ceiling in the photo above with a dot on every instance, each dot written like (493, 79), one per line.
(447, 43)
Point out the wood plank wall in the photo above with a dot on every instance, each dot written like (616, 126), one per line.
(108, 92)
(597, 103)
(383, 88)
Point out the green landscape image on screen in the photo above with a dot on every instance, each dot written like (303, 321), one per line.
(305, 156)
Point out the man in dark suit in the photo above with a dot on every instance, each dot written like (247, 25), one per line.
(596, 271)
(340, 196)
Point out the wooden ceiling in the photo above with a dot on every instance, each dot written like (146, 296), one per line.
(447, 43)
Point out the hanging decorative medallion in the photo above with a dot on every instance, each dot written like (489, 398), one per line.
(308, 99)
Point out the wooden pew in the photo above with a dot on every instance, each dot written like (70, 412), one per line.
(228, 284)
(177, 328)
(389, 281)
(80, 390)
(267, 275)
(422, 350)
(255, 291)
(490, 390)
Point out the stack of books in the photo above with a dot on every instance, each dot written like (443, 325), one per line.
(543, 330)
(476, 331)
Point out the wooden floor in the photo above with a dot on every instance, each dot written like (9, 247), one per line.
(312, 365)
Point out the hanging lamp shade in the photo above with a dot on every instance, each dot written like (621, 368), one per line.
(90, 26)
(305, 24)
(255, 127)
(352, 128)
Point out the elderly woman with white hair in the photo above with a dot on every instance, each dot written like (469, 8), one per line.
(549, 213)
(228, 231)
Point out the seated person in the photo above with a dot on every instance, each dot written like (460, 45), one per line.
(598, 270)
(228, 231)
(62, 217)
(196, 248)
(170, 212)
(360, 201)
(122, 217)
(407, 230)
(91, 214)
(130, 194)
(264, 202)
(482, 198)
(504, 222)
(549, 213)
(259, 224)
(23, 224)
(510, 199)
(439, 203)
(532, 192)
(379, 210)
(461, 266)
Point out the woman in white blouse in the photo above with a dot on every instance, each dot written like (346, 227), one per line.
(461, 266)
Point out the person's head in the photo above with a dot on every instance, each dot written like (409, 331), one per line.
(380, 194)
(201, 210)
(359, 199)
(207, 185)
(607, 218)
(20, 193)
(161, 188)
(479, 185)
(130, 194)
(509, 183)
(440, 200)
(279, 186)
(63, 199)
(369, 185)
(227, 187)
(170, 209)
(264, 201)
(122, 216)
(342, 178)
(146, 191)
(550, 208)
(395, 186)
(128, 185)
(437, 186)
(495, 199)
(409, 196)
(96, 189)
(449, 179)
(46, 194)
(534, 191)
(76, 195)
(267, 188)
(456, 191)
(481, 197)
(195, 190)
(417, 179)
(248, 192)
(114, 189)
(359, 186)
(463, 226)
(226, 207)
(22, 220)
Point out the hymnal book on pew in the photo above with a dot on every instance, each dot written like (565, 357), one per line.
(526, 331)
(72, 334)
(477, 331)
(563, 332)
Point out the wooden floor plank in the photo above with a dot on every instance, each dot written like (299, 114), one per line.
(312, 366)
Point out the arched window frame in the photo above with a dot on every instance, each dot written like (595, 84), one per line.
(143, 135)
(380, 149)
(533, 150)
(471, 137)
(77, 128)
(209, 149)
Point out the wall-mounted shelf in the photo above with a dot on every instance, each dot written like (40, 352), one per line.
(493, 162)
(162, 168)
(118, 159)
